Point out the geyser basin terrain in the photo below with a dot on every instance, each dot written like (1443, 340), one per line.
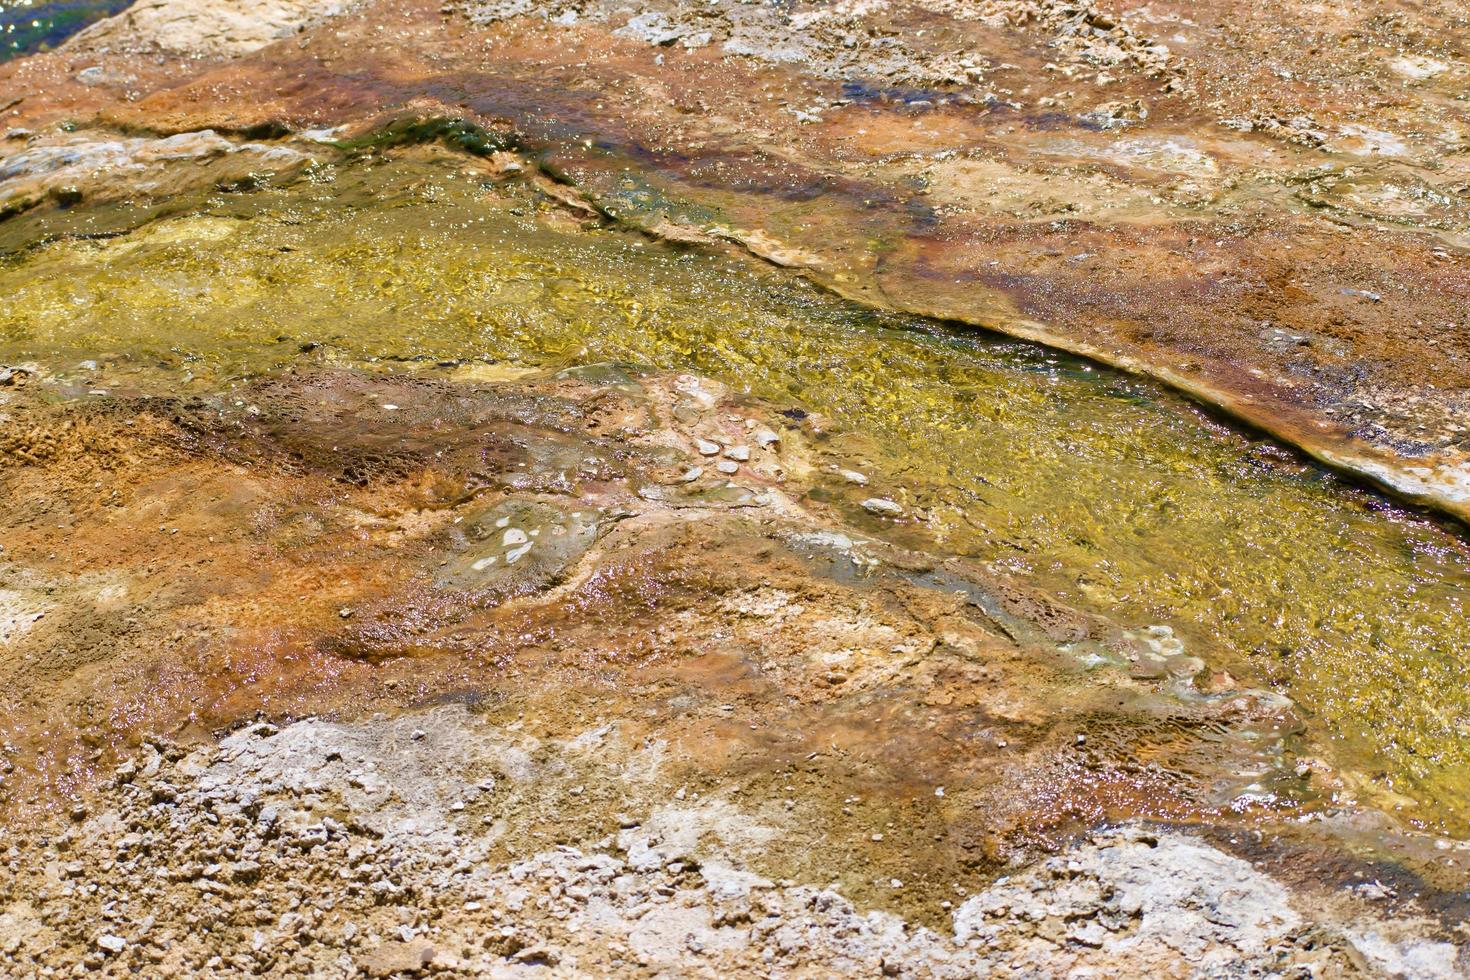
(1106, 491)
(908, 606)
(489, 505)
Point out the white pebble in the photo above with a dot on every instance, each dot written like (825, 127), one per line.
(882, 506)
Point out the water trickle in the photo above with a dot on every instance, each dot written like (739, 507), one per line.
(1107, 490)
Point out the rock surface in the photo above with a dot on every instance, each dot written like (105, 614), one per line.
(326, 658)
(383, 848)
(1169, 188)
(561, 707)
(203, 28)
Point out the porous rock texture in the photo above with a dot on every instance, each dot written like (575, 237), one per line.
(384, 848)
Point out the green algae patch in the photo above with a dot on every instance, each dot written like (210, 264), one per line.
(1106, 490)
(453, 133)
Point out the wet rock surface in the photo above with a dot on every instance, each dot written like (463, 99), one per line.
(569, 709)
(411, 566)
(1160, 188)
(1213, 541)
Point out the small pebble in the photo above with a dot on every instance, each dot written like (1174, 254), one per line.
(707, 448)
(728, 467)
(883, 507)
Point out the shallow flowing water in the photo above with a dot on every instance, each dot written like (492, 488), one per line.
(1105, 489)
(33, 25)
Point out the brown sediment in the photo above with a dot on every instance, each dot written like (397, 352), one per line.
(334, 542)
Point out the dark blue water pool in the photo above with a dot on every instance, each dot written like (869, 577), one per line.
(34, 25)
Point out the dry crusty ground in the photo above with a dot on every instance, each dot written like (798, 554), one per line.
(382, 848)
(1260, 203)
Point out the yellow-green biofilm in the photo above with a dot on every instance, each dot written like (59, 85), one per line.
(1108, 491)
